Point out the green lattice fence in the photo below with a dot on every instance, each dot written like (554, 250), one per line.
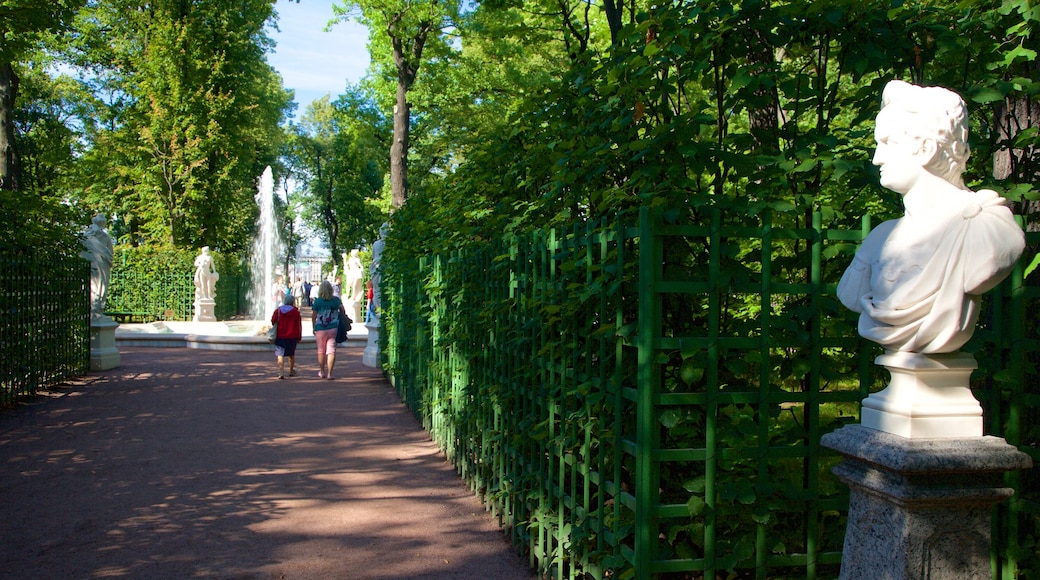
(151, 284)
(45, 333)
(1007, 347)
(647, 399)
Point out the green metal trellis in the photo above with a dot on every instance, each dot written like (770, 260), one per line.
(646, 397)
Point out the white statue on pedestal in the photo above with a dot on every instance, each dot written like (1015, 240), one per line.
(355, 272)
(352, 292)
(206, 276)
(98, 249)
(916, 281)
(371, 355)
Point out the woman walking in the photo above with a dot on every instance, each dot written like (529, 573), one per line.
(325, 314)
(289, 333)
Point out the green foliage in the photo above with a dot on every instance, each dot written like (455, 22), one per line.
(193, 119)
(755, 109)
(527, 356)
(337, 152)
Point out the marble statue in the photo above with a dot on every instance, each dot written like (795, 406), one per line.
(355, 272)
(916, 281)
(373, 269)
(372, 356)
(98, 249)
(352, 289)
(206, 276)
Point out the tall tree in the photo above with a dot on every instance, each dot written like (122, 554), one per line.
(23, 25)
(195, 116)
(337, 150)
(402, 30)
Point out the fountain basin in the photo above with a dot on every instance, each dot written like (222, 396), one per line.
(247, 335)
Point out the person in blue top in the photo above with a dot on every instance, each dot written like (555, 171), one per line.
(326, 311)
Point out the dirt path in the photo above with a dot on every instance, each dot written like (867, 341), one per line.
(202, 464)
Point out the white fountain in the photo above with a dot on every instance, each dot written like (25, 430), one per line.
(237, 334)
(266, 246)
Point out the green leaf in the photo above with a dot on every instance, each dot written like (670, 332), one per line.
(1032, 265)
(695, 505)
(690, 372)
(987, 95)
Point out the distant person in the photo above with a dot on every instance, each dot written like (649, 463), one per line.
(370, 295)
(313, 293)
(306, 295)
(297, 291)
(288, 335)
(337, 287)
(278, 291)
(325, 314)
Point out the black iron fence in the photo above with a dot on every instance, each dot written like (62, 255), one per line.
(45, 329)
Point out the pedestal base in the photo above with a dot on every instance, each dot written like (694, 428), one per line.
(920, 508)
(928, 397)
(204, 310)
(103, 352)
(370, 358)
(353, 308)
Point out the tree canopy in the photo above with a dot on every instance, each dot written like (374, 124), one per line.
(500, 114)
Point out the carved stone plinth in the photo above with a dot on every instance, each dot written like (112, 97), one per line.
(204, 310)
(103, 352)
(929, 396)
(920, 508)
(370, 358)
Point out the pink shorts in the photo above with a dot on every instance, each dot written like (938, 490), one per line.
(325, 341)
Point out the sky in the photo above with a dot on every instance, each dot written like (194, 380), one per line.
(314, 62)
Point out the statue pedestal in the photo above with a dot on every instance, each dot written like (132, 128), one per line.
(370, 358)
(353, 310)
(928, 397)
(103, 352)
(920, 508)
(204, 310)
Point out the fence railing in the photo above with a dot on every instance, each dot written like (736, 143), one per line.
(139, 297)
(648, 398)
(44, 323)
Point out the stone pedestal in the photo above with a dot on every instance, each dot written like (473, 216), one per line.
(353, 308)
(103, 352)
(370, 358)
(204, 310)
(920, 508)
(929, 396)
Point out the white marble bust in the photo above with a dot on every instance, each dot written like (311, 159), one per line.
(916, 280)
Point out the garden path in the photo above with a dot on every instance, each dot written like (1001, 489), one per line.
(202, 464)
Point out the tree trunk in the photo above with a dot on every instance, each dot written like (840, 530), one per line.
(407, 57)
(763, 113)
(1019, 165)
(399, 148)
(9, 166)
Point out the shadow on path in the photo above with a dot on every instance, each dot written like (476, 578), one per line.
(202, 464)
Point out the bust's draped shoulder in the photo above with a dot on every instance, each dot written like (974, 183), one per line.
(996, 242)
(916, 281)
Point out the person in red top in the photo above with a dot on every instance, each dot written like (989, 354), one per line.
(370, 295)
(290, 331)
